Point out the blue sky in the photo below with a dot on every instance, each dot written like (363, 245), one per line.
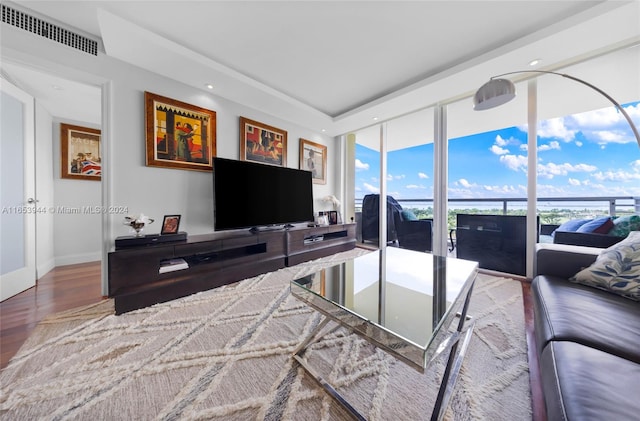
(588, 154)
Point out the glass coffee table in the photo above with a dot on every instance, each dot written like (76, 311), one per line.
(404, 302)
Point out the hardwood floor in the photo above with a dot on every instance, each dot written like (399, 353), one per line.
(63, 288)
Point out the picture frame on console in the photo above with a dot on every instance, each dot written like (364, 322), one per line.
(80, 157)
(313, 157)
(262, 143)
(170, 224)
(333, 217)
(179, 135)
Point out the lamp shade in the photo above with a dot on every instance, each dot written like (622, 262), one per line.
(494, 93)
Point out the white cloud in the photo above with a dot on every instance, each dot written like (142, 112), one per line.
(554, 144)
(550, 170)
(498, 150)
(391, 177)
(361, 166)
(370, 188)
(514, 162)
(556, 128)
(464, 183)
(574, 182)
(500, 141)
(416, 186)
(604, 126)
(616, 176)
(422, 175)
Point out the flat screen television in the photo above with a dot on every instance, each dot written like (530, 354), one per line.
(259, 196)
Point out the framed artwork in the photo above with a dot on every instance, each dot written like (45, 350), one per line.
(262, 143)
(179, 135)
(80, 153)
(313, 157)
(170, 224)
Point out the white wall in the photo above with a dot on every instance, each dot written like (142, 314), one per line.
(129, 183)
(77, 236)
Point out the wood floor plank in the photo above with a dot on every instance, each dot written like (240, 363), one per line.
(63, 288)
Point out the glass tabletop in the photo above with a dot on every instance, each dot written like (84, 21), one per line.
(401, 300)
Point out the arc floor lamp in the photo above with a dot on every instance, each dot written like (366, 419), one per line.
(498, 91)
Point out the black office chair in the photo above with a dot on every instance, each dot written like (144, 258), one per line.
(414, 234)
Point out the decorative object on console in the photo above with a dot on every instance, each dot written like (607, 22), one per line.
(313, 157)
(170, 224)
(499, 91)
(179, 135)
(322, 219)
(80, 153)
(262, 143)
(137, 223)
(336, 206)
(333, 217)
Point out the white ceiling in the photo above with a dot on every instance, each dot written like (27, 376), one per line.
(337, 65)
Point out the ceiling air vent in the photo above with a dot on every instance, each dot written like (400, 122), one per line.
(48, 30)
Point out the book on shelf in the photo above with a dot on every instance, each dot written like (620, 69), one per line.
(171, 265)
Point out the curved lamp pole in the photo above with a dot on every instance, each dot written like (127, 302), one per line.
(499, 91)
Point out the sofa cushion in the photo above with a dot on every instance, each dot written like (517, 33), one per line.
(582, 383)
(571, 225)
(574, 312)
(617, 269)
(623, 225)
(600, 225)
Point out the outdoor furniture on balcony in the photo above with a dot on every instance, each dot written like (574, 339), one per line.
(496, 242)
(402, 226)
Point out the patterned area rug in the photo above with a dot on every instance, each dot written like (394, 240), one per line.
(225, 354)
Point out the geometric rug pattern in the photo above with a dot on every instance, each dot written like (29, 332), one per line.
(225, 354)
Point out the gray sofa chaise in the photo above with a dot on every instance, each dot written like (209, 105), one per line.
(587, 339)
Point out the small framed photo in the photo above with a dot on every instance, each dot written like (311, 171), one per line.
(313, 157)
(260, 142)
(170, 224)
(333, 217)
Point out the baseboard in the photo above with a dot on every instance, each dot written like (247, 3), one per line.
(78, 258)
(44, 268)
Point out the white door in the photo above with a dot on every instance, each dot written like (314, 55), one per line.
(17, 192)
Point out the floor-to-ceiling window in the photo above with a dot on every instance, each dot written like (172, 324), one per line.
(584, 148)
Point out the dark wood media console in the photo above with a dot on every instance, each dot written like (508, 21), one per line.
(213, 260)
(311, 243)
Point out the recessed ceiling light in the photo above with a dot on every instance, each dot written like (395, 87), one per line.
(324, 130)
(535, 62)
(56, 87)
(209, 86)
(375, 118)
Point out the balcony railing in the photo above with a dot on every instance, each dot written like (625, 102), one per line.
(551, 207)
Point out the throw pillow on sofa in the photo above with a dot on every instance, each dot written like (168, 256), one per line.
(571, 225)
(617, 269)
(600, 225)
(623, 225)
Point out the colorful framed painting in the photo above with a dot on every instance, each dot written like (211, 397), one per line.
(179, 135)
(80, 153)
(313, 157)
(262, 143)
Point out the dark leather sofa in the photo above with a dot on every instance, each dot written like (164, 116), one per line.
(587, 340)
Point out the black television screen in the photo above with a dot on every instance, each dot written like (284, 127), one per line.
(253, 195)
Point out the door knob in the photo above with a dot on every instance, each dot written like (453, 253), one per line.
(31, 200)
